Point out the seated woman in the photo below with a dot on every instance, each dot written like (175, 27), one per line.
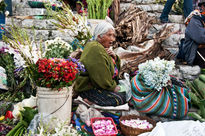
(194, 44)
(98, 84)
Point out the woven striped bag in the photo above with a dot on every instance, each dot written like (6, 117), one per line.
(170, 101)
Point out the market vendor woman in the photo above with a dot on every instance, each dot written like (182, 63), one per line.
(98, 84)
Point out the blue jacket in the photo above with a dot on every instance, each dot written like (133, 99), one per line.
(194, 36)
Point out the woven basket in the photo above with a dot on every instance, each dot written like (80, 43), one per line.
(130, 131)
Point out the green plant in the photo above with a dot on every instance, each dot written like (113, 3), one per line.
(29, 51)
(67, 22)
(197, 95)
(97, 9)
(26, 116)
(2, 6)
(16, 81)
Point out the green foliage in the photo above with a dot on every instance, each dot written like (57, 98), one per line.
(197, 95)
(2, 6)
(27, 47)
(97, 9)
(66, 22)
(15, 82)
(7, 62)
(177, 7)
(26, 116)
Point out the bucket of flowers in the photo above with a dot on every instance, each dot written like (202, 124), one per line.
(50, 70)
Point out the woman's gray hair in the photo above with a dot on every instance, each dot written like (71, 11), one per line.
(101, 29)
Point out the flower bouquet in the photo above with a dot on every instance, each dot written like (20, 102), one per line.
(68, 22)
(156, 73)
(47, 64)
(51, 75)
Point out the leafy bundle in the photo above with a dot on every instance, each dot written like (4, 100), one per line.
(98, 9)
(198, 96)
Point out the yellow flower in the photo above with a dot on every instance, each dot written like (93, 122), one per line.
(2, 118)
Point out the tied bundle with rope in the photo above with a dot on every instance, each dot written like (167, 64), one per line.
(154, 91)
(171, 101)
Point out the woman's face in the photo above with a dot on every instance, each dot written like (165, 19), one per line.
(107, 39)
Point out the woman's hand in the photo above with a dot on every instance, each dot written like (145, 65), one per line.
(117, 89)
(111, 53)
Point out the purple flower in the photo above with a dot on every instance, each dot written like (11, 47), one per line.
(2, 50)
(80, 66)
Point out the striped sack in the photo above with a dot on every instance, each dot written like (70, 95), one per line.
(170, 101)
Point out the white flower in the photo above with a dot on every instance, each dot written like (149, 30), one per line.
(156, 72)
(30, 102)
(18, 59)
(17, 108)
(6, 13)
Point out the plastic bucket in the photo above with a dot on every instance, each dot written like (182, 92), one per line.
(55, 103)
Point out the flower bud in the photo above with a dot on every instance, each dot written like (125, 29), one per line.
(7, 13)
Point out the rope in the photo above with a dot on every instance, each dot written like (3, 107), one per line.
(57, 108)
(201, 56)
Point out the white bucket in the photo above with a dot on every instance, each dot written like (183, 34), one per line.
(55, 103)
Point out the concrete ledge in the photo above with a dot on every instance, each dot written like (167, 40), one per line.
(143, 1)
(148, 8)
(30, 11)
(45, 24)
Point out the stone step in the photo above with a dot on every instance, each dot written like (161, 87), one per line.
(173, 40)
(176, 27)
(27, 11)
(153, 10)
(143, 1)
(45, 24)
(49, 35)
(173, 18)
(44, 29)
(148, 8)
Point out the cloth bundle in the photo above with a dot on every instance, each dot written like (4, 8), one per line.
(172, 101)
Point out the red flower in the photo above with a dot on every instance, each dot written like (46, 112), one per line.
(56, 72)
(9, 115)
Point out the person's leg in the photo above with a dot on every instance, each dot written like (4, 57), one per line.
(166, 10)
(188, 7)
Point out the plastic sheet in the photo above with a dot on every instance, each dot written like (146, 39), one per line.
(178, 128)
(125, 86)
(87, 113)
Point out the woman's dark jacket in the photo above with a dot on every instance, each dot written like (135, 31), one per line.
(194, 36)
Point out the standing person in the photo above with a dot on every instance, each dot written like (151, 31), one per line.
(98, 84)
(188, 7)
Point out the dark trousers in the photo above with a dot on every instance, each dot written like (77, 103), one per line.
(187, 7)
